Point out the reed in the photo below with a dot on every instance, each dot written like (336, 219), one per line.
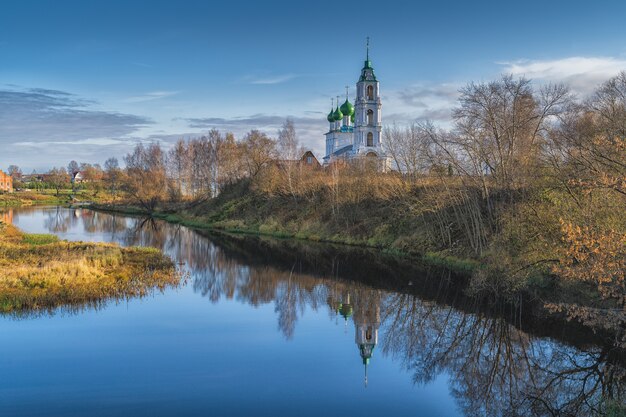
(40, 272)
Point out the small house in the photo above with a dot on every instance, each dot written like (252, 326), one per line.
(6, 183)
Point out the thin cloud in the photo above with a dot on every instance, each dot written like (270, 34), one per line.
(582, 74)
(255, 120)
(270, 79)
(423, 101)
(91, 141)
(153, 95)
(39, 127)
(419, 95)
(39, 115)
(310, 130)
(141, 64)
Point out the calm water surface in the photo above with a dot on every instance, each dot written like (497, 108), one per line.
(275, 328)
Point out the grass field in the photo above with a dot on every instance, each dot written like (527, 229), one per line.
(40, 272)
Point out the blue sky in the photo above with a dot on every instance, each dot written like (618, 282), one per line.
(86, 80)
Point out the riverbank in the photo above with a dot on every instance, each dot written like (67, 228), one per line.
(50, 198)
(40, 272)
(28, 198)
(185, 218)
(266, 218)
(521, 259)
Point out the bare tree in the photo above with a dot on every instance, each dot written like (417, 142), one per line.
(409, 148)
(289, 153)
(259, 150)
(58, 179)
(500, 127)
(72, 167)
(113, 174)
(146, 179)
(14, 171)
(178, 167)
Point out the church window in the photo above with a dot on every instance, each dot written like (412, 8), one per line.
(370, 139)
(370, 92)
(370, 117)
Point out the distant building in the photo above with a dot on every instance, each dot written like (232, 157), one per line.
(355, 131)
(307, 159)
(310, 160)
(32, 177)
(6, 183)
(78, 177)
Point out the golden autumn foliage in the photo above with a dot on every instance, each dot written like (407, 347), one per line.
(594, 256)
(598, 258)
(39, 272)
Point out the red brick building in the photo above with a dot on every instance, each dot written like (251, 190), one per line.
(6, 182)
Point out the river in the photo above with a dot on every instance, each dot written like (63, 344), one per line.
(282, 328)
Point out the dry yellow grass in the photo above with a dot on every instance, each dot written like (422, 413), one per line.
(39, 272)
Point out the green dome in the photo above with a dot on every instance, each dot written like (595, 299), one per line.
(331, 116)
(347, 108)
(338, 115)
(346, 311)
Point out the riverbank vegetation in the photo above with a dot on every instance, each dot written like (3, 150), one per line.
(78, 183)
(28, 198)
(528, 183)
(39, 272)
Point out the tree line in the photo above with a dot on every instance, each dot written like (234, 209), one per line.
(527, 176)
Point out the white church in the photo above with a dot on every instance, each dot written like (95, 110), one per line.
(356, 130)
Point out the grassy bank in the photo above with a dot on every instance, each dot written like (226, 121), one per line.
(51, 198)
(28, 198)
(39, 272)
(390, 227)
(219, 221)
(520, 257)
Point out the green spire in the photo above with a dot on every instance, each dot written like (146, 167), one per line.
(368, 63)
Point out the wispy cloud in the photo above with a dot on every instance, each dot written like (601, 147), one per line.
(256, 120)
(423, 101)
(141, 64)
(150, 96)
(582, 74)
(42, 127)
(50, 115)
(310, 130)
(80, 142)
(270, 79)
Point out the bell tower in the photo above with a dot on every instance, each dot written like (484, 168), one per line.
(368, 120)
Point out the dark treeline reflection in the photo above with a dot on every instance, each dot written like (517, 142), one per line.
(500, 362)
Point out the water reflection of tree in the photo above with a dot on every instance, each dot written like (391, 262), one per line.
(494, 367)
(59, 220)
(497, 369)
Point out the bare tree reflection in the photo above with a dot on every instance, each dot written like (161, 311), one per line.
(498, 363)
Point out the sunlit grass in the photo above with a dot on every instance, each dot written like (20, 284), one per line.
(39, 272)
(39, 239)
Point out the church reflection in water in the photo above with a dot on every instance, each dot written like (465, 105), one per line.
(364, 310)
(499, 361)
